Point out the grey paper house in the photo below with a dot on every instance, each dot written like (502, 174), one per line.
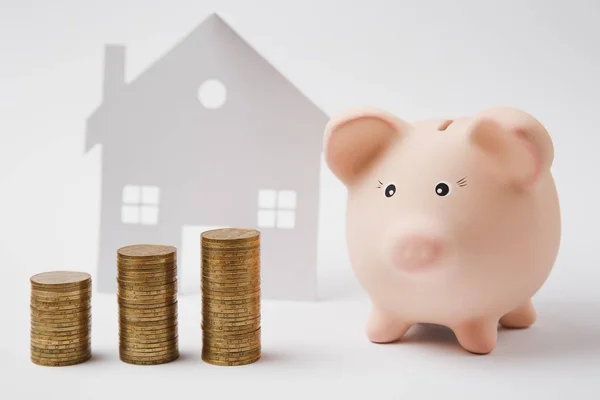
(211, 135)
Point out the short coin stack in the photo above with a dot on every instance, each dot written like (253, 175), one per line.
(147, 296)
(61, 319)
(231, 297)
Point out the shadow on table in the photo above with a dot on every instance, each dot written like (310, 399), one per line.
(562, 329)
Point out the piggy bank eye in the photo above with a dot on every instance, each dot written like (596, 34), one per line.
(443, 189)
(390, 190)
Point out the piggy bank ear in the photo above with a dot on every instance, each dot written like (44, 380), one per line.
(516, 140)
(355, 139)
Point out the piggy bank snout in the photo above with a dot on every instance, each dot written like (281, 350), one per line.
(415, 251)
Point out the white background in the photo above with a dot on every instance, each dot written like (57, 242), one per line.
(419, 59)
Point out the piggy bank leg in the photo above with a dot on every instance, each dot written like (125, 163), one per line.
(478, 337)
(519, 318)
(384, 327)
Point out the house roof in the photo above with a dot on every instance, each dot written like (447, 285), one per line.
(212, 22)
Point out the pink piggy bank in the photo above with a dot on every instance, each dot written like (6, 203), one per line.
(449, 222)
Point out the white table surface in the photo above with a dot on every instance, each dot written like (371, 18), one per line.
(319, 350)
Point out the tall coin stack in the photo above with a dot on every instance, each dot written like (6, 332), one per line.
(231, 297)
(61, 319)
(147, 296)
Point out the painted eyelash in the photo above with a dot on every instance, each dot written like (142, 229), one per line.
(380, 185)
(462, 182)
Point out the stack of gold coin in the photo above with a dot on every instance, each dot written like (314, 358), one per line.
(231, 297)
(147, 296)
(61, 307)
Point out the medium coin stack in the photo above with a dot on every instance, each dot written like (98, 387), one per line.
(231, 297)
(61, 319)
(147, 296)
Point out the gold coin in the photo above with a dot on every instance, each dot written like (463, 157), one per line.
(60, 326)
(61, 345)
(241, 246)
(230, 279)
(213, 335)
(144, 341)
(60, 320)
(145, 270)
(147, 291)
(58, 301)
(231, 329)
(230, 265)
(61, 279)
(212, 344)
(63, 307)
(231, 356)
(231, 363)
(60, 361)
(53, 294)
(148, 337)
(142, 286)
(235, 254)
(214, 322)
(230, 315)
(250, 293)
(251, 303)
(149, 312)
(146, 326)
(60, 356)
(125, 319)
(213, 294)
(146, 251)
(218, 286)
(146, 266)
(149, 355)
(147, 347)
(165, 278)
(158, 360)
(58, 329)
(140, 296)
(149, 306)
(231, 343)
(149, 328)
(52, 363)
(230, 234)
(70, 312)
(136, 347)
(59, 289)
(60, 317)
(230, 351)
(231, 308)
(208, 316)
(59, 336)
(66, 352)
(131, 303)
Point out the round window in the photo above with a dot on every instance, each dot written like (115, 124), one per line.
(212, 94)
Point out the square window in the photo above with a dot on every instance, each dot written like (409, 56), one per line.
(130, 214)
(286, 219)
(150, 195)
(287, 199)
(266, 219)
(267, 198)
(131, 194)
(149, 215)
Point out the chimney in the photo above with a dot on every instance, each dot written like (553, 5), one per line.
(114, 70)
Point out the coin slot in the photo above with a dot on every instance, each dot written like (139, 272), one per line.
(444, 125)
